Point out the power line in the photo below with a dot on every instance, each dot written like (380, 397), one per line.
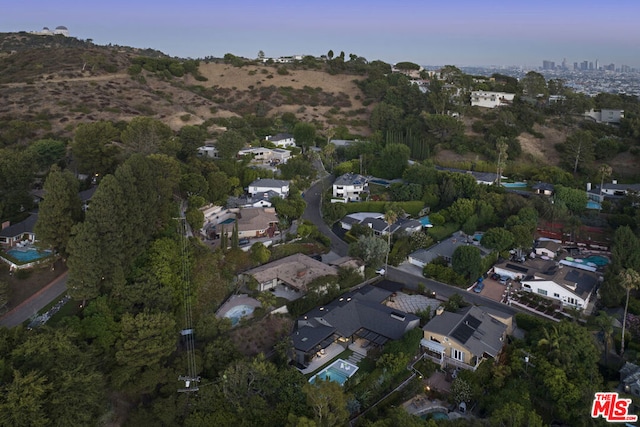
(191, 379)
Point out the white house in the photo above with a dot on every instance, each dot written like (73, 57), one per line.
(282, 140)
(349, 188)
(280, 155)
(605, 115)
(570, 286)
(260, 154)
(482, 98)
(260, 186)
(548, 248)
(208, 151)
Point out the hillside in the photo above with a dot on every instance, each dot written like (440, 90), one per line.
(69, 83)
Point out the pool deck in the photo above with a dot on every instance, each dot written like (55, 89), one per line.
(319, 361)
(235, 300)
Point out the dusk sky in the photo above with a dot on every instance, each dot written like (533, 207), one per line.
(462, 32)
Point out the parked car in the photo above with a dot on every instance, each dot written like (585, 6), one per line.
(504, 280)
(243, 242)
(479, 287)
(495, 276)
(381, 271)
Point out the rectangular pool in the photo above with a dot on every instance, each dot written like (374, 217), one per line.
(339, 371)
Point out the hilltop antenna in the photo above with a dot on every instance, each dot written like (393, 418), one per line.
(191, 380)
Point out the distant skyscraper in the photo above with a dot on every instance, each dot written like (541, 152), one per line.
(548, 65)
(575, 66)
(591, 65)
(597, 65)
(564, 64)
(584, 65)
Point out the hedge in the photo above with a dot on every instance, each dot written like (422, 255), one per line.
(413, 208)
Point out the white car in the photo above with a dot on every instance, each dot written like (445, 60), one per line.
(381, 271)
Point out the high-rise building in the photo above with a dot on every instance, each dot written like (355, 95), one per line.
(597, 67)
(591, 65)
(548, 65)
(584, 65)
(575, 66)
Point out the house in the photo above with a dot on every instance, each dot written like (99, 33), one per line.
(611, 190)
(259, 200)
(295, 271)
(567, 284)
(485, 178)
(380, 227)
(349, 187)
(260, 154)
(630, 378)
(261, 186)
(10, 235)
(548, 248)
(256, 222)
(487, 99)
(543, 188)
(279, 155)
(445, 249)
(349, 262)
(359, 315)
(342, 142)
(608, 116)
(463, 339)
(209, 151)
(282, 140)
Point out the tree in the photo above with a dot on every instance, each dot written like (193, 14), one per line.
(191, 137)
(304, 134)
(328, 403)
(444, 128)
(93, 147)
(501, 146)
(259, 253)
(466, 260)
(513, 414)
(46, 152)
(145, 135)
(574, 199)
(229, 143)
(393, 160)
(59, 211)
(460, 390)
(24, 401)
(605, 323)
(630, 279)
(579, 149)
(498, 238)
(371, 249)
(534, 85)
(605, 172)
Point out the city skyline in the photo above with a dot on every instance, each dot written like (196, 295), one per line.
(494, 33)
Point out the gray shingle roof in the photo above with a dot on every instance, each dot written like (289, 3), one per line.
(472, 328)
(25, 226)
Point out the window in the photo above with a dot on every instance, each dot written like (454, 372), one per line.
(556, 295)
(542, 291)
(457, 354)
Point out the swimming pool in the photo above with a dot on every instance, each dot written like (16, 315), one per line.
(514, 184)
(29, 254)
(593, 205)
(339, 371)
(437, 416)
(238, 312)
(598, 260)
(228, 221)
(425, 221)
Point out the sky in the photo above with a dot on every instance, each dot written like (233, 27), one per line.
(427, 32)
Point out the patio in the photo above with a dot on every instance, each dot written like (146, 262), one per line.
(323, 357)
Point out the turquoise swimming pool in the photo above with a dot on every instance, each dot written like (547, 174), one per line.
(238, 312)
(593, 205)
(28, 255)
(339, 371)
(514, 184)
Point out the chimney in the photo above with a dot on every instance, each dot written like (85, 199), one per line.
(5, 225)
(588, 186)
(614, 181)
(439, 310)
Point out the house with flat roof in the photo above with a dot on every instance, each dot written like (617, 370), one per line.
(360, 314)
(463, 339)
(611, 190)
(567, 284)
(486, 178)
(350, 187)
(604, 115)
(282, 140)
(278, 186)
(543, 188)
(488, 99)
(295, 271)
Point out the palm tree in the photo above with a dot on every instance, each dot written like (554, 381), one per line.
(604, 321)
(551, 341)
(390, 217)
(629, 279)
(605, 171)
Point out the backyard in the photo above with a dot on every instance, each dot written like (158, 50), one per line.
(24, 283)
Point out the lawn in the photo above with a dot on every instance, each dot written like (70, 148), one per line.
(24, 283)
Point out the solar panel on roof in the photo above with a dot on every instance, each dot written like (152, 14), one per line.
(462, 333)
(517, 268)
(473, 322)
